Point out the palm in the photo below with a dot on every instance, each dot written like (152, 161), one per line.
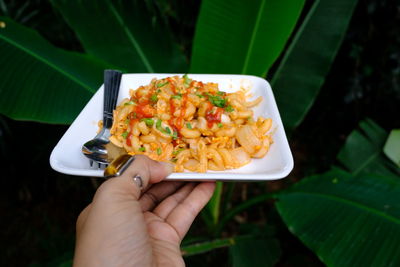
(126, 227)
(169, 220)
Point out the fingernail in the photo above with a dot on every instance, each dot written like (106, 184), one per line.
(169, 167)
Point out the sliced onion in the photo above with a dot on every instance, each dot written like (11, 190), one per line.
(247, 139)
(240, 156)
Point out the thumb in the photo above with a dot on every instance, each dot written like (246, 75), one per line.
(141, 172)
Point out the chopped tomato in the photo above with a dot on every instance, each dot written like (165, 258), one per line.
(213, 117)
(144, 111)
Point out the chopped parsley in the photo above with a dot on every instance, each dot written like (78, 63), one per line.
(220, 125)
(159, 151)
(142, 149)
(188, 125)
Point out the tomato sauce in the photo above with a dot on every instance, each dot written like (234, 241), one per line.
(213, 117)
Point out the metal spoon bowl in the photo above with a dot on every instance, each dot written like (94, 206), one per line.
(96, 149)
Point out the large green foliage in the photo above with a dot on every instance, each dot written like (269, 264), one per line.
(307, 60)
(230, 37)
(242, 38)
(350, 218)
(41, 82)
(124, 34)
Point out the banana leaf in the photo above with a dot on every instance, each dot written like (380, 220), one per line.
(350, 217)
(40, 82)
(124, 33)
(346, 220)
(392, 147)
(240, 37)
(307, 61)
(255, 251)
(362, 152)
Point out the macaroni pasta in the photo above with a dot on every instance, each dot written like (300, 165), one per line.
(192, 124)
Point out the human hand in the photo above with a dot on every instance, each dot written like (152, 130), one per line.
(126, 227)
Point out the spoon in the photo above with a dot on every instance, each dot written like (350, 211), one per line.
(96, 149)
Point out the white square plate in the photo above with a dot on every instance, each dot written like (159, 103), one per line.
(67, 156)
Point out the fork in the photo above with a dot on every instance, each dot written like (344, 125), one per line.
(96, 149)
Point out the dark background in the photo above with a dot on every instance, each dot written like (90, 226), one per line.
(39, 206)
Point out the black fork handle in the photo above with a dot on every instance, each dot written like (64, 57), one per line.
(112, 81)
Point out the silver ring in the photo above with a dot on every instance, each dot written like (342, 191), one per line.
(118, 166)
(137, 179)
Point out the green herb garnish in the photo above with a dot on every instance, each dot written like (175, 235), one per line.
(220, 125)
(153, 98)
(129, 103)
(216, 100)
(188, 125)
(176, 152)
(229, 108)
(125, 134)
(167, 130)
(159, 151)
(149, 122)
(142, 149)
(186, 81)
(162, 84)
(158, 125)
(175, 135)
(178, 96)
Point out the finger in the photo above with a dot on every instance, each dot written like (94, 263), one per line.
(166, 206)
(158, 193)
(80, 222)
(182, 217)
(139, 174)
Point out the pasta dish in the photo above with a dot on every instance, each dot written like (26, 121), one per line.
(192, 124)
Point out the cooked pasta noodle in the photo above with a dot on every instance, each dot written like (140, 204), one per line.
(192, 124)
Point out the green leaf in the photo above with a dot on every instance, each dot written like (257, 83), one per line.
(253, 201)
(41, 82)
(362, 151)
(255, 251)
(346, 220)
(123, 33)
(392, 146)
(212, 211)
(308, 59)
(202, 247)
(241, 37)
